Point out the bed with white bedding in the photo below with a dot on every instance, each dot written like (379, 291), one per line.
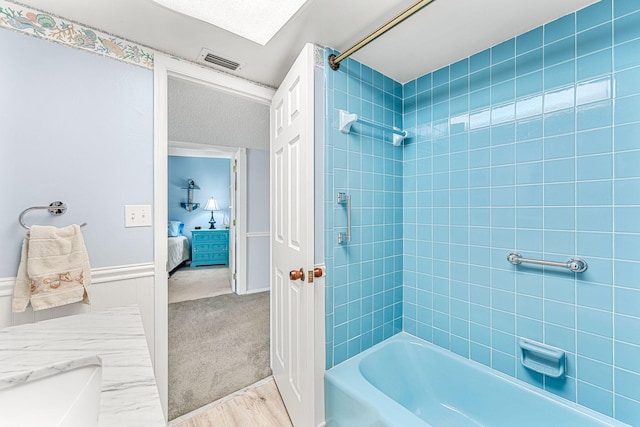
(179, 251)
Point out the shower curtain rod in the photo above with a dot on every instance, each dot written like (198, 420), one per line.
(334, 61)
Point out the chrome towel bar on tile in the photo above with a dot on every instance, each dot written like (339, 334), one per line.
(54, 208)
(577, 265)
(347, 119)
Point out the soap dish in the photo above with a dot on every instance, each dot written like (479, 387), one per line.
(542, 358)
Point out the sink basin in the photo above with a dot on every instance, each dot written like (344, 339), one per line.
(65, 394)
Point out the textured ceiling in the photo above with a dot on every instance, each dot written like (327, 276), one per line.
(200, 115)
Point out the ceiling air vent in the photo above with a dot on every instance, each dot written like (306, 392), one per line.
(209, 58)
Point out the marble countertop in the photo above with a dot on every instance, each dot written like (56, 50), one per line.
(129, 393)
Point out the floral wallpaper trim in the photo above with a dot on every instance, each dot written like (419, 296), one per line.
(52, 28)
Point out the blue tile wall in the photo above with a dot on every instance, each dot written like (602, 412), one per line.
(364, 277)
(532, 145)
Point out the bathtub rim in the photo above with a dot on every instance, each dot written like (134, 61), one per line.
(347, 373)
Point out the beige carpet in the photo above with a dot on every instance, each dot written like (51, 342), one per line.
(188, 284)
(216, 346)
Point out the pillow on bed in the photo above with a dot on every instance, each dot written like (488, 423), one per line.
(175, 228)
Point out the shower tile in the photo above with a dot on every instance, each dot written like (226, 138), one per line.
(559, 122)
(627, 274)
(595, 64)
(529, 62)
(625, 55)
(560, 28)
(503, 51)
(529, 84)
(595, 141)
(559, 75)
(594, 193)
(559, 313)
(594, 321)
(479, 99)
(597, 14)
(627, 301)
(503, 363)
(627, 109)
(627, 82)
(595, 115)
(627, 384)
(529, 40)
(560, 51)
(480, 60)
(595, 347)
(625, 329)
(626, 219)
(627, 356)
(595, 218)
(596, 398)
(459, 69)
(441, 77)
(560, 337)
(626, 28)
(626, 137)
(627, 410)
(594, 39)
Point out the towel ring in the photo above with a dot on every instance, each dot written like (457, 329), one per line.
(54, 208)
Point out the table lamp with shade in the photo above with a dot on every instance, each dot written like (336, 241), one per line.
(212, 205)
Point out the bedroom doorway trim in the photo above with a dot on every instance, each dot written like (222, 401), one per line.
(165, 67)
(238, 201)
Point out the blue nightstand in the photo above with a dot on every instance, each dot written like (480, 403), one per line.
(209, 247)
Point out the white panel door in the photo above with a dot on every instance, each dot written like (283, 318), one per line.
(292, 184)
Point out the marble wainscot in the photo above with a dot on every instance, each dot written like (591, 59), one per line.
(129, 394)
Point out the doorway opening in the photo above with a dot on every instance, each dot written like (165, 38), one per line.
(218, 311)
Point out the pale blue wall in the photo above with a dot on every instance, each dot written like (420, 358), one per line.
(257, 191)
(212, 176)
(77, 128)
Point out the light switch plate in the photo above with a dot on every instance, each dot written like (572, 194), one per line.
(137, 216)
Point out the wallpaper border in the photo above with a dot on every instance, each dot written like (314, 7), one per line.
(46, 26)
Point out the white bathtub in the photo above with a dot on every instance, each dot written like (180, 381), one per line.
(405, 381)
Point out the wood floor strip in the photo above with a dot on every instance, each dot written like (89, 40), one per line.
(260, 406)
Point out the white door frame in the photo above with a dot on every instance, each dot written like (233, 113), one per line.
(190, 149)
(165, 67)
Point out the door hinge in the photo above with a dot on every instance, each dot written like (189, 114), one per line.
(234, 222)
(234, 276)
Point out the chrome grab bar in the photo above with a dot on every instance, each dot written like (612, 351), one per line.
(342, 199)
(577, 265)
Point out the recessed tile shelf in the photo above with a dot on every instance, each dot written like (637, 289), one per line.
(542, 358)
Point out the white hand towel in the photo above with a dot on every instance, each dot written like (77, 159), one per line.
(54, 269)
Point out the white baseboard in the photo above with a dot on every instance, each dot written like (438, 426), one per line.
(255, 291)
